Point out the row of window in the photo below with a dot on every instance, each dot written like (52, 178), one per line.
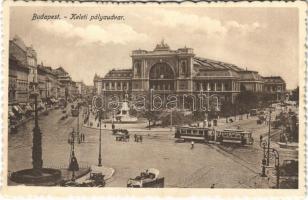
(116, 86)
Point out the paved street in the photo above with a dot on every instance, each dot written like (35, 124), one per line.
(226, 167)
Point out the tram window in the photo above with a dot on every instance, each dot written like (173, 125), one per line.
(188, 131)
(183, 131)
(195, 132)
(200, 132)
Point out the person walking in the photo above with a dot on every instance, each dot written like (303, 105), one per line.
(192, 144)
(261, 138)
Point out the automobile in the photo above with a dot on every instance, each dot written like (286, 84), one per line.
(96, 179)
(121, 134)
(253, 112)
(147, 179)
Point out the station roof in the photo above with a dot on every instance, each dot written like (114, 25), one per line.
(119, 74)
(208, 64)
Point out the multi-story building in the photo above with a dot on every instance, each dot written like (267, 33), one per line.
(48, 83)
(74, 90)
(65, 82)
(251, 81)
(180, 71)
(274, 87)
(81, 88)
(18, 82)
(42, 83)
(18, 73)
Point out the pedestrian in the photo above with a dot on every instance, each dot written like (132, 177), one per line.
(105, 125)
(261, 138)
(140, 138)
(192, 144)
(213, 186)
(135, 137)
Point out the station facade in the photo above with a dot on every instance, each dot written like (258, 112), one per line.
(180, 71)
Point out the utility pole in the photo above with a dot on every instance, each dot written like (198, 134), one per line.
(100, 139)
(269, 136)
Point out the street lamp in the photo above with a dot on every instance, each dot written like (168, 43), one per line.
(73, 165)
(271, 153)
(37, 139)
(263, 145)
(269, 135)
(100, 138)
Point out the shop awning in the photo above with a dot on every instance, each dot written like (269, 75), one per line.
(28, 107)
(16, 109)
(21, 110)
(11, 114)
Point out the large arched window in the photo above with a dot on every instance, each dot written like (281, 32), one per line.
(162, 77)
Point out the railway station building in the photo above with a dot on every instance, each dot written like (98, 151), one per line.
(179, 72)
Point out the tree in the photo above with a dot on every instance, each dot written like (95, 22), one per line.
(295, 94)
(247, 100)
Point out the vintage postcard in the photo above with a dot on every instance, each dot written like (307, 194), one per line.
(190, 99)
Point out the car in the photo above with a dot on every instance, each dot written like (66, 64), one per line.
(147, 179)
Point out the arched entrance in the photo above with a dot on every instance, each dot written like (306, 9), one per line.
(162, 77)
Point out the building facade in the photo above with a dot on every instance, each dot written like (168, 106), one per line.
(65, 83)
(274, 87)
(180, 71)
(18, 72)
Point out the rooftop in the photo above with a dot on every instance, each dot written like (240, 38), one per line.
(273, 79)
(119, 73)
(208, 64)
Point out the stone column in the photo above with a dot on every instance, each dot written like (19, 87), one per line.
(215, 86)
(222, 86)
(121, 86)
(208, 86)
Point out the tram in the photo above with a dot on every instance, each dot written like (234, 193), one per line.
(191, 133)
(226, 136)
(234, 136)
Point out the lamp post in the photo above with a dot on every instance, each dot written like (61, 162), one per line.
(100, 139)
(73, 165)
(271, 153)
(263, 145)
(37, 160)
(269, 136)
(78, 135)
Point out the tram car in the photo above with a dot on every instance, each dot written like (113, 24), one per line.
(234, 136)
(226, 136)
(191, 133)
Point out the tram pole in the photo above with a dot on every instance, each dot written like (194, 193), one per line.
(100, 139)
(269, 136)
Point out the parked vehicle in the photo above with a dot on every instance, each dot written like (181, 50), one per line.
(121, 134)
(147, 179)
(253, 112)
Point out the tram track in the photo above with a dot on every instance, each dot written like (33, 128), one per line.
(234, 158)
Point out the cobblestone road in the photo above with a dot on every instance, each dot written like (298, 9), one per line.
(226, 167)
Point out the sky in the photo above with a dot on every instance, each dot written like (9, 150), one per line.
(261, 39)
